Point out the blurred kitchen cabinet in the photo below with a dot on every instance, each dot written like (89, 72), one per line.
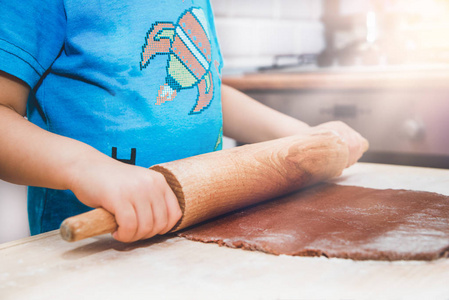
(405, 123)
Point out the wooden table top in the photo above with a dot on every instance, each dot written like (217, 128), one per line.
(168, 267)
(340, 80)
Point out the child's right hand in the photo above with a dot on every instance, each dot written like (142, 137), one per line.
(140, 199)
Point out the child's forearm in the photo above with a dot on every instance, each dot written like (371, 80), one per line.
(248, 121)
(32, 156)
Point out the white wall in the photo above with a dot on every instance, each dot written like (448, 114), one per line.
(252, 32)
(13, 212)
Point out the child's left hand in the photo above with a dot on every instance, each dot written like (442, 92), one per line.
(357, 144)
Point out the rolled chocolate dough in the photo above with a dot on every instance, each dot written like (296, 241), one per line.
(338, 221)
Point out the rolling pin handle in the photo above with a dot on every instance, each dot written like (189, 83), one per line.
(95, 222)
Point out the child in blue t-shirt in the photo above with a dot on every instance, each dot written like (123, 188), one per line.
(109, 89)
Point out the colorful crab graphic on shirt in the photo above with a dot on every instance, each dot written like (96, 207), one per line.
(188, 46)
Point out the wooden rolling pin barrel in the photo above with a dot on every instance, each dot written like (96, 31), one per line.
(212, 184)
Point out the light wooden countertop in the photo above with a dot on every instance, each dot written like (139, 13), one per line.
(339, 80)
(46, 267)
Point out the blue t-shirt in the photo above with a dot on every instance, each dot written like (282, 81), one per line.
(138, 80)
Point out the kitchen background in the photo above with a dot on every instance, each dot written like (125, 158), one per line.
(405, 125)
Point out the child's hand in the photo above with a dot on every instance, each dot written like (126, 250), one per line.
(141, 200)
(356, 143)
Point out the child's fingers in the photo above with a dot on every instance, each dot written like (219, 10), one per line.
(126, 219)
(173, 210)
(365, 144)
(354, 152)
(159, 213)
(358, 146)
(145, 218)
(155, 207)
(354, 146)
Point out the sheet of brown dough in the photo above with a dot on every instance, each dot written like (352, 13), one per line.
(339, 221)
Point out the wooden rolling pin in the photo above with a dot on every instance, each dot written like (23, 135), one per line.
(215, 183)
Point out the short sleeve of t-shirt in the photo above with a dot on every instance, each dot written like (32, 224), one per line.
(31, 37)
